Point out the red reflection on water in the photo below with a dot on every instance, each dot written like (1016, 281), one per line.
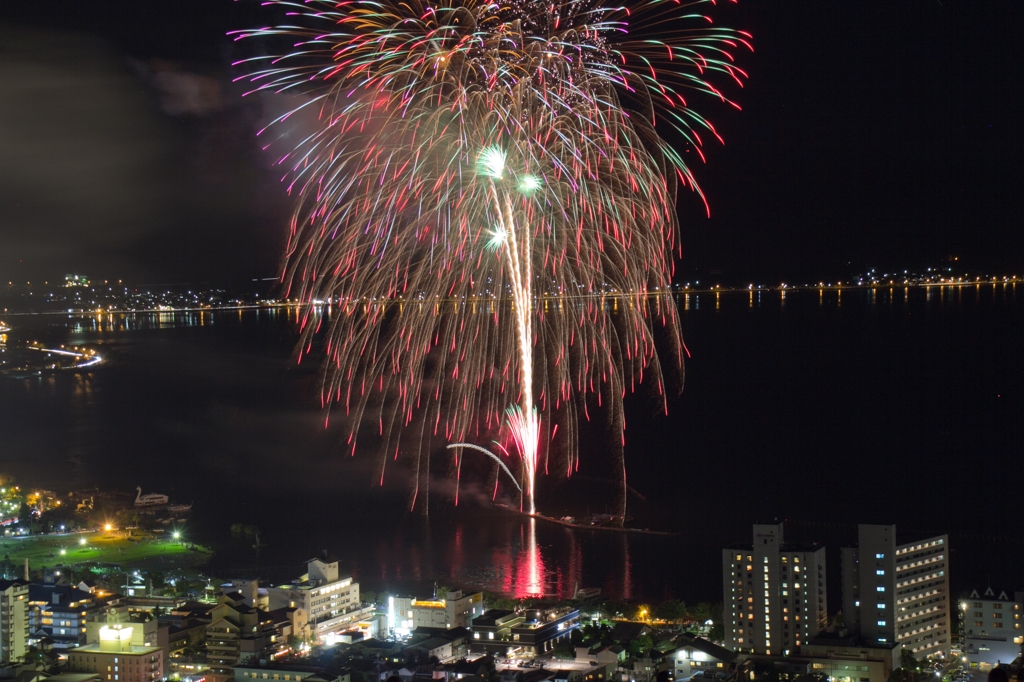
(627, 571)
(522, 572)
(529, 571)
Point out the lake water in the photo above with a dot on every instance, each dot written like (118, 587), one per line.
(897, 406)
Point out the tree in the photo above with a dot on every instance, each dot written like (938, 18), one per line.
(908, 662)
(701, 612)
(563, 649)
(671, 611)
(34, 656)
(503, 603)
(641, 645)
(441, 592)
(901, 675)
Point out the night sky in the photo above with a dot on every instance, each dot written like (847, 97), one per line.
(881, 133)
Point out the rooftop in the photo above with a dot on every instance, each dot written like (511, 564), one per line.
(132, 651)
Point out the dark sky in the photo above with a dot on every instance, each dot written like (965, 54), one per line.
(873, 132)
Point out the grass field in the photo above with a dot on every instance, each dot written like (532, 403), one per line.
(103, 547)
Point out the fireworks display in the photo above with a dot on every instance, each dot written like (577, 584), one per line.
(488, 210)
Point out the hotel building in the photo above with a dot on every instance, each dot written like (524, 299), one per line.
(456, 610)
(990, 623)
(898, 593)
(331, 603)
(115, 659)
(773, 593)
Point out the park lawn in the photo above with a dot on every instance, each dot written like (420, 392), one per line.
(102, 547)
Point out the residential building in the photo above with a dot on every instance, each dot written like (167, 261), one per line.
(456, 610)
(695, 655)
(185, 637)
(773, 593)
(829, 656)
(603, 661)
(290, 672)
(230, 620)
(116, 659)
(898, 593)
(444, 643)
(990, 625)
(330, 602)
(58, 612)
(13, 620)
(527, 633)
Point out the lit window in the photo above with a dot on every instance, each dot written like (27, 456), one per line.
(879, 606)
(879, 556)
(880, 571)
(881, 623)
(880, 588)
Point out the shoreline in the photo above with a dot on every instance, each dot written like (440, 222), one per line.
(581, 526)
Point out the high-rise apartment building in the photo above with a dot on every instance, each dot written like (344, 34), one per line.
(773, 593)
(898, 593)
(13, 620)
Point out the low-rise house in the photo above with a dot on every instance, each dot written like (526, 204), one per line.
(698, 656)
(290, 672)
(444, 643)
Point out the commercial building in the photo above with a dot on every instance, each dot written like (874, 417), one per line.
(527, 633)
(898, 593)
(773, 593)
(116, 659)
(13, 620)
(990, 624)
(456, 610)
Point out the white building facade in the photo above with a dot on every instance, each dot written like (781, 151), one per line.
(990, 624)
(331, 602)
(773, 593)
(898, 593)
(456, 610)
(13, 620)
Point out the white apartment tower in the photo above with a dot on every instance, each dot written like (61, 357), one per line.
(773, 593)
(898, 593)
(13, 620)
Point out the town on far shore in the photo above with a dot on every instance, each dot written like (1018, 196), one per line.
(105, 587)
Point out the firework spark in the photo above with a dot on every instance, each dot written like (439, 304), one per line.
(476, 162)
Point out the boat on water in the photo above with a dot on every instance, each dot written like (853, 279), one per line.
(179, 508)
(150, 499)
